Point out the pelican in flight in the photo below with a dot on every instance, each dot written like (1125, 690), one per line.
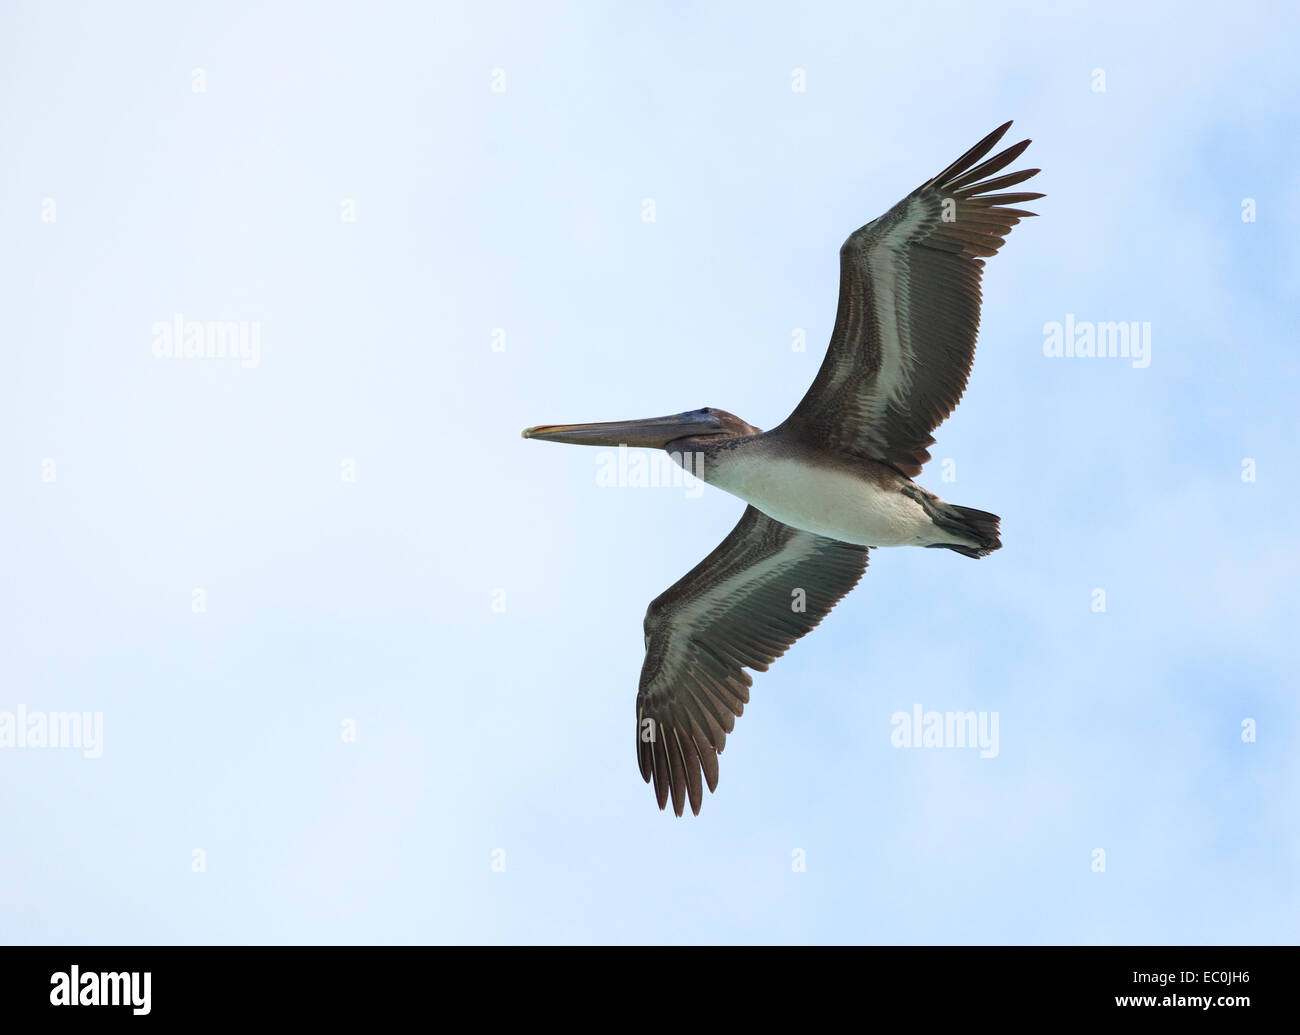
(832, 481)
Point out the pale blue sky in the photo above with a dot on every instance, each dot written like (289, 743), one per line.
(480, 731)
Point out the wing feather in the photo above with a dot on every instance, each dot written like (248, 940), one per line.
(904, 338)
(734, 610)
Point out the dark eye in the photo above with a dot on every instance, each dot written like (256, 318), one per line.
(707, 409)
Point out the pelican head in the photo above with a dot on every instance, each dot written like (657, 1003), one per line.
(688, 429)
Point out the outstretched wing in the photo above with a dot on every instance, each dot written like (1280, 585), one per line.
(909, 311)
(741, 607)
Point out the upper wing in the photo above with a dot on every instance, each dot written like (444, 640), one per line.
(909, 311)
(738, 607)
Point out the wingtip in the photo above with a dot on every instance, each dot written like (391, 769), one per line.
(996, 136)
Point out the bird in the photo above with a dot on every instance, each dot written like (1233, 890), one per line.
(831, 482)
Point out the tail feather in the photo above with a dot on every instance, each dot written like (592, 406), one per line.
(979, 526)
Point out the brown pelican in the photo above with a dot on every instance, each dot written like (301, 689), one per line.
(831, 482)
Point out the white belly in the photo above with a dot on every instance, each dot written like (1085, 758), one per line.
(827, 501)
